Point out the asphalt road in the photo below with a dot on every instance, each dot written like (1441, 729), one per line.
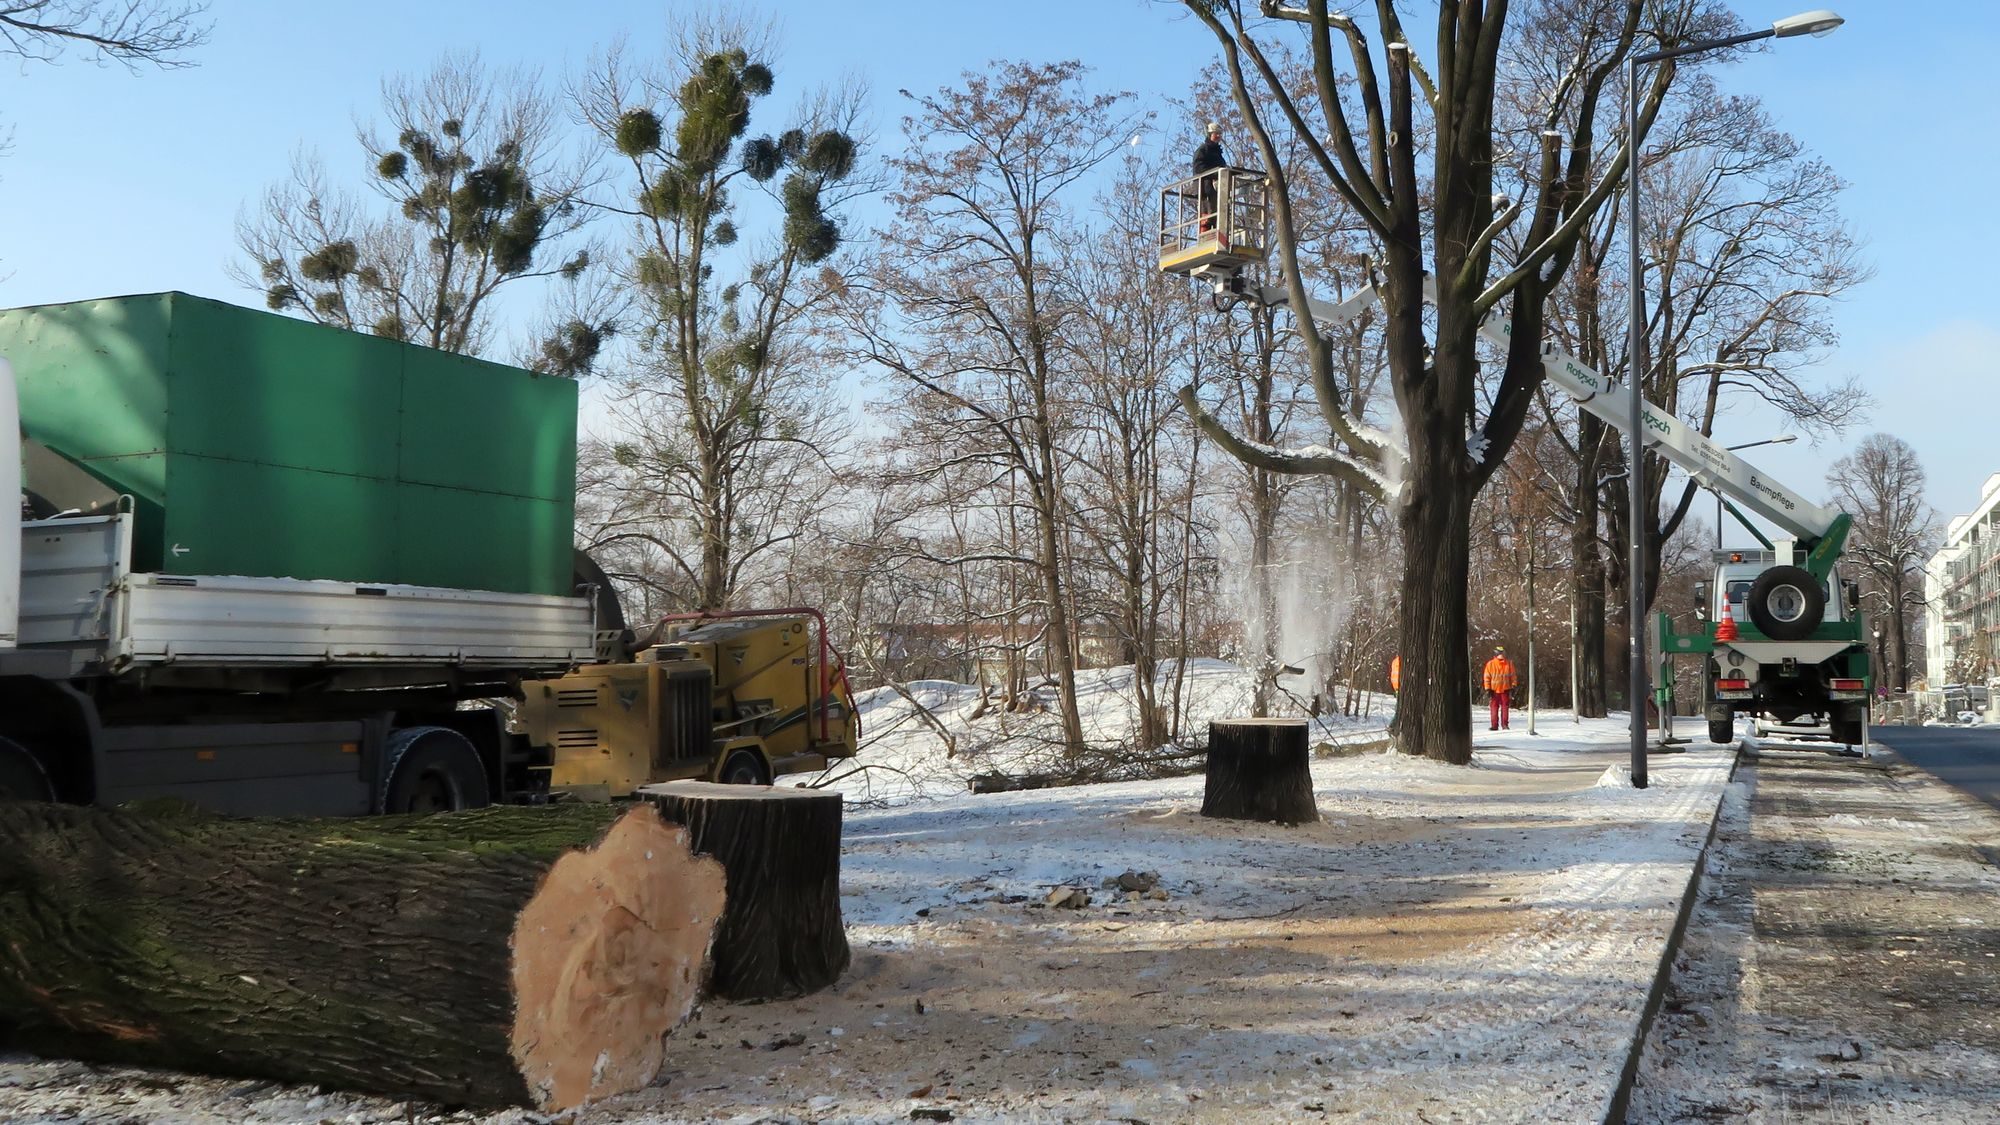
(1967, 758)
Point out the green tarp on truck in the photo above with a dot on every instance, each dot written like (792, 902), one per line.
(257, 444)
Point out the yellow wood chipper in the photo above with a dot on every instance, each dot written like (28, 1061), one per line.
(740, 696)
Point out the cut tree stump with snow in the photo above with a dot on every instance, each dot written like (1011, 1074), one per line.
(781, 933)
(1259, 769)
(505, 956)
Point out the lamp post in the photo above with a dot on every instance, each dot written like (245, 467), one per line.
(1819, 22)
(1875, 680)
(1785, 440)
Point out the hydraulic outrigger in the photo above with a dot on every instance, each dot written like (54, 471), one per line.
(1801, 652)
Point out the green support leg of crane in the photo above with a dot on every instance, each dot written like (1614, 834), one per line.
(1819, 563)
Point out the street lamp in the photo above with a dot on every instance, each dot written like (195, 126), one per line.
(1785, 440)
(1877, 694)
(1818, 22)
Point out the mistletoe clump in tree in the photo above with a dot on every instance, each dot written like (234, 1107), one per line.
(477, 203)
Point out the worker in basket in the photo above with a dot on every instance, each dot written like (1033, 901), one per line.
(1207, 159)
(1499, 680)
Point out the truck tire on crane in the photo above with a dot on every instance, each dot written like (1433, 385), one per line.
(1786, 603)
(22, 777)
(1721, 731)
(430, 770)
(744, 767)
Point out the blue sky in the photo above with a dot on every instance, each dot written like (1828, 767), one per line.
(131, 182)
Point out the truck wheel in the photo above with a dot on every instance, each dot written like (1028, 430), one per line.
(1786, 603)
(1721, 730)
(745, 767)
(1845, 730)
(21, 775)
(431, 770)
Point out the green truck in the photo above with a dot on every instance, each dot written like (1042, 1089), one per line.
(272, 567)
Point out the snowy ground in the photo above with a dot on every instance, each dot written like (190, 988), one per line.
(1447, 944)
(904, 757)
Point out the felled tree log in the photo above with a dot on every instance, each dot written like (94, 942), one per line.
(501, 957)
(1259, 769)
(781, 932)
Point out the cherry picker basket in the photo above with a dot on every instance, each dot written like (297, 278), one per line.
(1216, 222)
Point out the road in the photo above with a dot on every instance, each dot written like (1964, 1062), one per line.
(1967, 758)
(1842, 963)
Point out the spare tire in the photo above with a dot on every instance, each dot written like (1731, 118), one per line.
(1786, 603)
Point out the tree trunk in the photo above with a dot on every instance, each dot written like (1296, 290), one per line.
(1588, 588)
(499, 957)
(1259, 769)
(1263, 530)
(781, 932)
(715, 531)
(1901, 618)
(1434, 709)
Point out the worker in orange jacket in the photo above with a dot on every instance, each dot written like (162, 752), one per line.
(1396, 674)
(1500, 680)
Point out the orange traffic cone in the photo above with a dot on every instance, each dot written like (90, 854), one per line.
(1725, 626)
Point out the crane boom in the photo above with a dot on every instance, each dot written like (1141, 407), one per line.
(1710, 464)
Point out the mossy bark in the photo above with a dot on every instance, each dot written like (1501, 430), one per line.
(374, 954)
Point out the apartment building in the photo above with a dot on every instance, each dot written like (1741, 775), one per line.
(1962, 597)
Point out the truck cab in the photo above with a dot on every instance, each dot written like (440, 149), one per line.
(1787, 645)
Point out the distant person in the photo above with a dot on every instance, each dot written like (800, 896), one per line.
(1396, 674)
(1499, 680)
(1207, 158)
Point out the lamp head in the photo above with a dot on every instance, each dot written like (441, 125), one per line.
(1816, 22)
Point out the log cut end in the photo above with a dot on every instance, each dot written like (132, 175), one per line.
(608, 959)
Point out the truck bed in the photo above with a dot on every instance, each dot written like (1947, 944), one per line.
(80, 596)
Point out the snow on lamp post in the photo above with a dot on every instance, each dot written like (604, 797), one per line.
(1818, 22)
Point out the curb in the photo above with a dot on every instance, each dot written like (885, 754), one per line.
(1621, 1096)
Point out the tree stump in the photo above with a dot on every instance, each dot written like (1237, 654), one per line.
(781, 933)
(505, 956)
(1259, 769)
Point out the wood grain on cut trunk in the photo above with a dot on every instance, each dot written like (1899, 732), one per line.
(1259, 769)
(497, 957)
(782, 933)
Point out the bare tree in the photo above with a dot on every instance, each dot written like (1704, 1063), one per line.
(126, 31)
(965, 308)
(1748, 252)
(1258, 380)
(1436, 227)
(1123, 477)
(1745, 244)
(1881, 485)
